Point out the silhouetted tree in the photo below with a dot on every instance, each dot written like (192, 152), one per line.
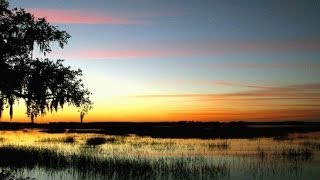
(44, 85)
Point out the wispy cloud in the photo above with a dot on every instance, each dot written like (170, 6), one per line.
(70, 16)
(280, 114)
(95, 54)
(192, 49)
(261, 65)
(107, 54)
(293, 102)
(293, 91)
(226, 83)
(301, 91)
(304, 45)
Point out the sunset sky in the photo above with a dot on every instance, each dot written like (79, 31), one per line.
(170, 60)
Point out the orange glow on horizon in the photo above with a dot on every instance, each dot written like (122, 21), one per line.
(178, 108)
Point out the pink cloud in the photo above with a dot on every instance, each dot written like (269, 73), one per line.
(101, 54)
(154, 50)
(262, 65)
(77, 17)
(203, 49)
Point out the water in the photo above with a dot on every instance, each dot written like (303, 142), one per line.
(132, 157)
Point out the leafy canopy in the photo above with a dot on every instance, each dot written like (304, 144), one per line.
(43, 84)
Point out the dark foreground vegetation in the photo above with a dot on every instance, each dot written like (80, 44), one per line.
(8, 175)
(203, 130)
(109, 167)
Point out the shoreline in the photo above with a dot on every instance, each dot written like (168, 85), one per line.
(201, 130)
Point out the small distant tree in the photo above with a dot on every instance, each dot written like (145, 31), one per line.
(45, 85)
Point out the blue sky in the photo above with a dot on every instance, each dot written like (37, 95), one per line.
(148, 47)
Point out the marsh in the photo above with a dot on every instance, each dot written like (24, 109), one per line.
(40, 155)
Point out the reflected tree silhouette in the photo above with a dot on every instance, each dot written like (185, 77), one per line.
(45, 85)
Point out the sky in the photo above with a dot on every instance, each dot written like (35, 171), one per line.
(173, 60)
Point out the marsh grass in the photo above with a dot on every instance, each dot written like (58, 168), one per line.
(285, 160)
(288, 153)
(8, 175)
(162, 146)
(69, 139)
(261, 153)
(49, 140)
(219, 145)
(311, 145)
(14, 156)
(270, 166)
(95, 141)
(110, 167)
(115, 140)
(297, 154)
(132, 157)
(282, 138)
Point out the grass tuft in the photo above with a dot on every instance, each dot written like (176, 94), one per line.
(69, 139)
(8, 175)
(297, 153)
(111, 140)
(311, 145)
(95, 141)
(219, 145)
(282, 138)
